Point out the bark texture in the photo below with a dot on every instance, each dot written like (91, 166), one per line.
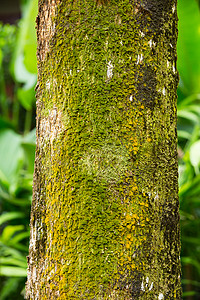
(105, 222)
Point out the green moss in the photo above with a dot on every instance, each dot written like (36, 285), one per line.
(110, 176)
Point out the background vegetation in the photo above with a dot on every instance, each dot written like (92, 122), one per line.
(17, 145)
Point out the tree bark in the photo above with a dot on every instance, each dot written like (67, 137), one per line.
(105, 221)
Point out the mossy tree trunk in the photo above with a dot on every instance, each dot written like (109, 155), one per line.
(105, 222)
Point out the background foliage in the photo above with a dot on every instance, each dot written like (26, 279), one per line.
(17, 145)
(189, 144)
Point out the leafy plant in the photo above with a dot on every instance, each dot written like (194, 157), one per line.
(23, 65)
(189, 144)
(17, 147)
(15, 196)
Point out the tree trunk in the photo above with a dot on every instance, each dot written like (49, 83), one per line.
(105, 221)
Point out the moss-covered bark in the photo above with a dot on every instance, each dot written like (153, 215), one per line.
(105, 221)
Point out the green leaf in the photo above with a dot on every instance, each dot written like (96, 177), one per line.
(26, 93)
(4, 124)
(9, 251)
(9, 286)
(9, 231)
(13, 261)
(194, 108)
(1, 57)
(189, 293)
(29, 150)
(195, 155)
(190, 187)
(191, 240)
(30, 47)
(19, 202)
(20, 237)
(193, 98)
(13, 271)
(194, 137)
(186, 216)
(193, 282)
(28, 146)
(30, 137)
(26, 96)
(191, 261)
(21, 73)
(188, 115)
(10, 216)
(184, 134)
(11, 155)
(189, 45)
(24, 63)
(26, 42)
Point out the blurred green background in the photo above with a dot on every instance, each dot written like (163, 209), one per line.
(18, 75)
